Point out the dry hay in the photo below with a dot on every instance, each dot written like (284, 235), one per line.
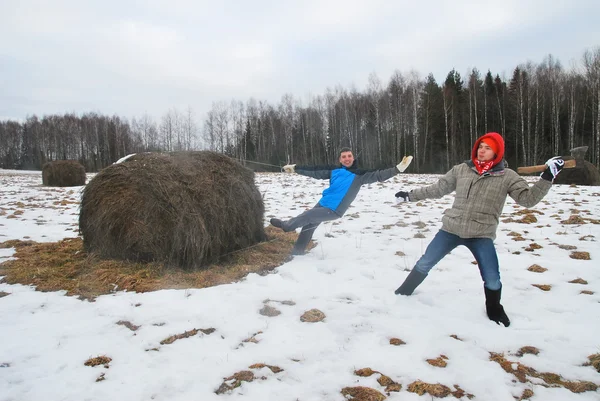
(543, 287)
(63, 173)
(99, 360)
(524, 374)
(312, 316)
(360, 393)
(396, 341)
(594, 360)
(528, 349)
(439, 362)
(588, 174)
(64, 265)
(185, 209)
(536, 268)
(580, 255)
(234, 381)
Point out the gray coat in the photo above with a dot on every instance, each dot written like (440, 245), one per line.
(480, 199)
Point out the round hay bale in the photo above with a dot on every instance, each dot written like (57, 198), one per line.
(185, 209)
(588, 174)
(63, 173)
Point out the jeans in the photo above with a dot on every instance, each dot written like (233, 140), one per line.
(482, 249)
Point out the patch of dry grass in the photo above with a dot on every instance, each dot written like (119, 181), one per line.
(528, 349)
(99, 360)
(594, 360)
(543, 287)
(360, 393)
(396, 341)
(580, 255)
(524, 374)
(64, 265)
(536, 268)
(439, 362)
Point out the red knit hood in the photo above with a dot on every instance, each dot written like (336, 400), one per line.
(495, 137)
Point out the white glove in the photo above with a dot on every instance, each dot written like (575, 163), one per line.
(289, 168)
(555, 165)
(403, 165)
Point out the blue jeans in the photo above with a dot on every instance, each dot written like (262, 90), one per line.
(482, 249)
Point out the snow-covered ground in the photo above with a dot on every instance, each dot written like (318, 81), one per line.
(350, 276)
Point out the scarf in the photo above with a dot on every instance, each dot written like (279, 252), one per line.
(482, 167)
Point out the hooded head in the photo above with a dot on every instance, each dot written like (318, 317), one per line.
(495, 142)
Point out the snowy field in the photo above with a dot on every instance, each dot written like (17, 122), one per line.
(239, 352)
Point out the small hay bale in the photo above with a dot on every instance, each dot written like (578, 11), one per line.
(186, 209)
(63, 173)
(588, 174)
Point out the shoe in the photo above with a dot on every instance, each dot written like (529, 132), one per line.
(276, 223)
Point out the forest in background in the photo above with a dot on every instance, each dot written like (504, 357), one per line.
(542, 110)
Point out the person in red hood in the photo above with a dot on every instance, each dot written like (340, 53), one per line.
(482, 185)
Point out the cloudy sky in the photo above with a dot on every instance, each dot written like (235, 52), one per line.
(134, 57)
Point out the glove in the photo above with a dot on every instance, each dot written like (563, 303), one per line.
(401, 196)
(289, 168)
(403, 165)
(555, 165)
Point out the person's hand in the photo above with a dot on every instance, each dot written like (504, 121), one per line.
(289, 168)
(554, 166)
(403, 165)
(401, 196)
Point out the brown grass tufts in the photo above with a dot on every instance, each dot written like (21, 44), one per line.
(233, 382)
(527, 394)
(594, 360)
(365, 372)
(360, 393)
(63, 173)
(543, 287)
(184, 209)
(528, 349)
(396, 341)
(536, 268)
(435, 390)
(64, 265)
(578, 281)
(173, 338)
(312, 316)
(128, 324)
(523, 372)
(99, 360)
(439, 362)
(580, 255)
(273, 368)
(573, 219)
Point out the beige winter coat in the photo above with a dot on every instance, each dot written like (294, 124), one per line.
(480, 198)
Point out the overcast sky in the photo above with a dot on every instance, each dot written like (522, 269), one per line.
(148, 56)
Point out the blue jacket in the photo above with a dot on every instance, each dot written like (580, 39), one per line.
(344, 183)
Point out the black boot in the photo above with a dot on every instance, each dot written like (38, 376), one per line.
(411, 282)
(279, 224)
(494, 310)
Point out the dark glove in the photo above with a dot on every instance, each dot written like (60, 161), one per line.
(402, 196)
(555, 165)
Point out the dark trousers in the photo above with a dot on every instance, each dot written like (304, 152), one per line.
(309, 221)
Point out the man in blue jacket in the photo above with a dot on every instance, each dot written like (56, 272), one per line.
(345, 181)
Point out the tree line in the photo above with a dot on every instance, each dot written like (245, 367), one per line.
(541, 110)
